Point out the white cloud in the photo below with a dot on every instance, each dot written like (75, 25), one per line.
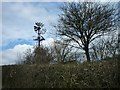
(0, 24)
(19, 18)
(48, 42)
(58, 0)
(10, 56)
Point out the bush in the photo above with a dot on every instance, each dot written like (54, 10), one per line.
(40, 55)
(86, 75)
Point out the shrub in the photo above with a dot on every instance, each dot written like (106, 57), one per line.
(86, 75)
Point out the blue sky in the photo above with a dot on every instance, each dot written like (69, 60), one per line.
(18, 19)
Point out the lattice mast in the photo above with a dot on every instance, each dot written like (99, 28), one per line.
(38, 28)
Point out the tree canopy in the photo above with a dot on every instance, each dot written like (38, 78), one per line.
(83, 22)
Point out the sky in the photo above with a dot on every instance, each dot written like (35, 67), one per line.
(17, 21)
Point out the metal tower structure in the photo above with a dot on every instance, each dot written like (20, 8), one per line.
(38, 28)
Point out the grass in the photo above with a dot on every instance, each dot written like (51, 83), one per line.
(87, 75)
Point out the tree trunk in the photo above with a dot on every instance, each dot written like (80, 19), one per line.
(87, 54)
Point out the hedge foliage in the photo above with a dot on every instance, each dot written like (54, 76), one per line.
(86, 75)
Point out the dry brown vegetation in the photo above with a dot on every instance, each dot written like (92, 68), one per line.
(85, 75)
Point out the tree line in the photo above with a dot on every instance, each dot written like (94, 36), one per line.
(90, 27)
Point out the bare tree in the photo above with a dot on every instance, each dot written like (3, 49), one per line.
(118, 25)
(28, 57)
(98, 50)
(61, 52)
(39, 55)
(105, 47)
(83, 22)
